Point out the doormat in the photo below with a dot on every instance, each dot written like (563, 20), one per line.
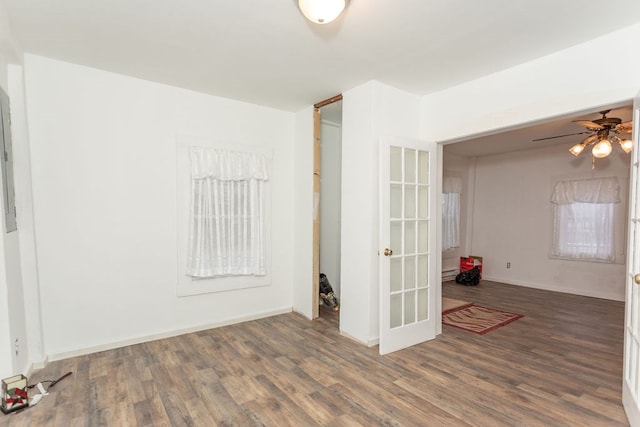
(478, 319)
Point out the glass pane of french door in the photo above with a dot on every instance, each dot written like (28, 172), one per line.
(409, 207)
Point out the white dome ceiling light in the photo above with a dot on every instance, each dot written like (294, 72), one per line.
(321, 11)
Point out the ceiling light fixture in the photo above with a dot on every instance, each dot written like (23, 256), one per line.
(321, 11)
(603, 132)
(625, 144)
(579, 148)
(602, 149)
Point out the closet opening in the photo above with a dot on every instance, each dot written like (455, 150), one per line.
(327, 189)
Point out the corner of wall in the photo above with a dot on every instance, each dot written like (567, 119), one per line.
(303, 213)
(24, 206)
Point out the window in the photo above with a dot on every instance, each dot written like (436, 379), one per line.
(584, 219)
(451, 189)
(226, 224)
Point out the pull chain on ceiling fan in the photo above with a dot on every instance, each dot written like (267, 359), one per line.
(602, 132)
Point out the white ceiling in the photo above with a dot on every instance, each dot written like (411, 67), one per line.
(265, 52)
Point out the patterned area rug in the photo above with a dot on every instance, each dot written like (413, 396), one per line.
(478, 319)
(449, 304)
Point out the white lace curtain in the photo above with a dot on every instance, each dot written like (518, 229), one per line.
(584, 218)
(594, 190)
(451, 190)
(226, 229)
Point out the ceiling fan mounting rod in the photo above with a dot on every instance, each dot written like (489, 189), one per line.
(608, 122)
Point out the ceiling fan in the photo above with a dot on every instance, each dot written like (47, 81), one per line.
(602, 132)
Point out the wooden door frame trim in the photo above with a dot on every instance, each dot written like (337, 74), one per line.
(328, 101)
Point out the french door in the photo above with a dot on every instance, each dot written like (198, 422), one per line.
(407, 255)
(631, 368)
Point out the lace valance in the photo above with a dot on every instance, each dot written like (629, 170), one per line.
(226, 165)
(595, 190)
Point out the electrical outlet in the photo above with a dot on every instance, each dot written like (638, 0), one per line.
(17, 346)
(508, 264)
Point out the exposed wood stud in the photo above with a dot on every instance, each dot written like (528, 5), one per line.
(328, 101)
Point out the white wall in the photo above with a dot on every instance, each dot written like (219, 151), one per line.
(555, 85)
(330, 195)
(303, 218)
(512, 221)
(33, 341)
(6, 347)
(20, 331)
(369, 111)
(104, 183)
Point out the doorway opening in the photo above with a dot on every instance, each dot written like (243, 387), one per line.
(506, 215)
(327, 187)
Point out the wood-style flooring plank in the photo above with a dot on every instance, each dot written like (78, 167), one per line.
(560, 365)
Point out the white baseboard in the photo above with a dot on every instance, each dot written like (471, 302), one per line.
(369, 343)
(449, 274)
(35, 366)
(573, 291)
(168, 334)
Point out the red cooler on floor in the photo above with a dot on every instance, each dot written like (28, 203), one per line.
(468, 262)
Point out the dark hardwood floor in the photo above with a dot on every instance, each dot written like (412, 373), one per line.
(559, 365)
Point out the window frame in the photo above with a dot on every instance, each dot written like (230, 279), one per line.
(445, 218)
(562, 252)
(457, 180)
(191, 286)
(619, 217)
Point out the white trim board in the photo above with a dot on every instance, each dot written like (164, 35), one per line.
(572, 291)
(369, 343)
(169, 334)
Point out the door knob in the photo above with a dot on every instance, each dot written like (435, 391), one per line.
(636, 279)
(389, 252)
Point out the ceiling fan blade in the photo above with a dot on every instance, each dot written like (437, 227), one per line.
(624, 128)
(560, 136)
(589, 124)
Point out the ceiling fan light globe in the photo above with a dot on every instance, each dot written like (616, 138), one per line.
(576, 149)
(321, 11)
(626, 145)
(602, 149)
